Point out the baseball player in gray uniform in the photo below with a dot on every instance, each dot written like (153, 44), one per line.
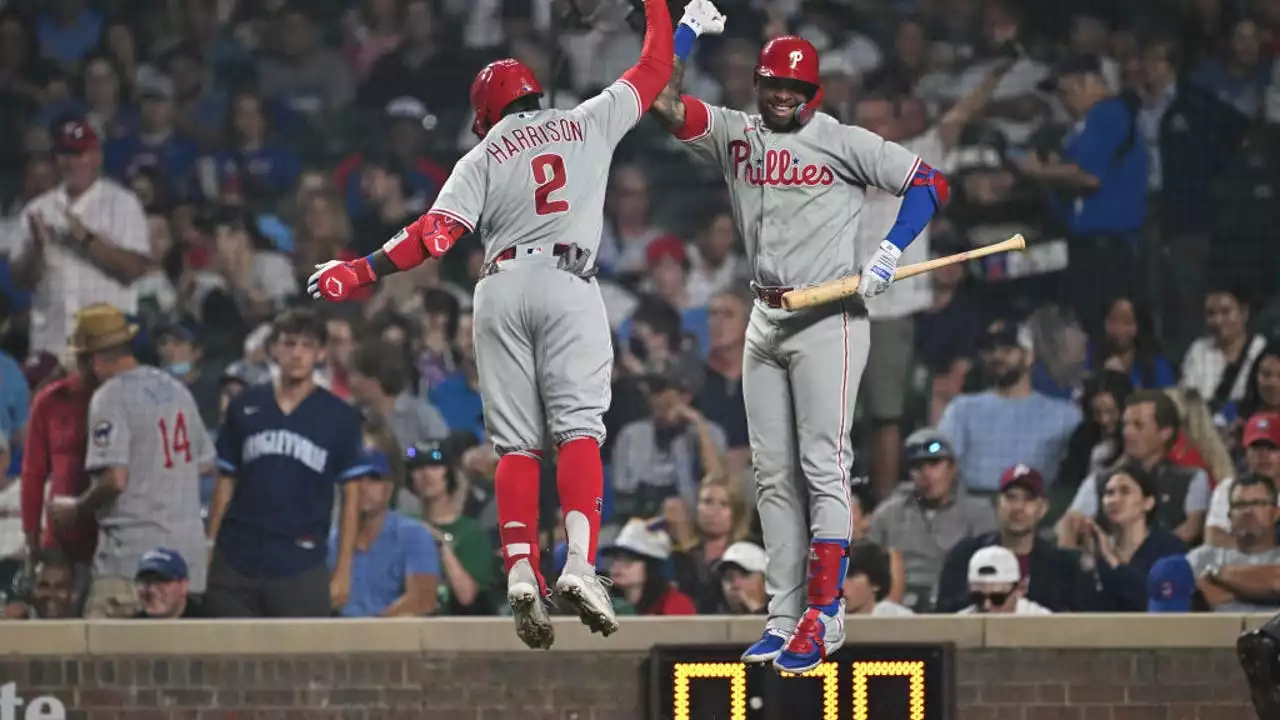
(797, 179)
(146, 448)
(534, 188)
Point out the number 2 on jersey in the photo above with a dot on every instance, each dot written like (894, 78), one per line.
(548, 175)
(175, 443)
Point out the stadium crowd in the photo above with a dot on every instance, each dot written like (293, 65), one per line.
(1093, 425)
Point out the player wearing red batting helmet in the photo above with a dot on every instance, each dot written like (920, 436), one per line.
(788, 85)
(496, 87)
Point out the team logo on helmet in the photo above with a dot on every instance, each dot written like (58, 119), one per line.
(796, 57)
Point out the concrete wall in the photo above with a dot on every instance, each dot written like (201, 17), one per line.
(1082, 667)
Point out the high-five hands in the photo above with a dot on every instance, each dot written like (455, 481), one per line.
(703, 18)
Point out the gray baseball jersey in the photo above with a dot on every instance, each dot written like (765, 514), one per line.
(542, 339)
(541, 176)
(797, 197)
(145, 420)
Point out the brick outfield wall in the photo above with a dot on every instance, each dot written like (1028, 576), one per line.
(992, 684)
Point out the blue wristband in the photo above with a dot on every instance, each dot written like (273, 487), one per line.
(684, 39)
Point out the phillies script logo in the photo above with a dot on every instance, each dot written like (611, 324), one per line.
(779, 168)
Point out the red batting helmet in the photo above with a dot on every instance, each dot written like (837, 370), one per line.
(496, 86)
(792, 57)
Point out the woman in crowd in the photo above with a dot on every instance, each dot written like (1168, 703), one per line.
(1199, 443)
(1262, 391)
(1124, 544)
(1096, 443)
(722, 518)
(323, 232)
(1128, 346)
(1217, 364)
(639, 565)
(254, 170)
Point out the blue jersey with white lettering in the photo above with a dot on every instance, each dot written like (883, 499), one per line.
(286, 469)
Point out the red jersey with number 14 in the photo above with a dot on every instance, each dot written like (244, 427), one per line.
(540, 177)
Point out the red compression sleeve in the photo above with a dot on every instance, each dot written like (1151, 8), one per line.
(429, 236)
(697, 119)
(650, 75)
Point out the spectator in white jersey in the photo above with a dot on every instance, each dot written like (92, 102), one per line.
(83, 242)
(146, 448)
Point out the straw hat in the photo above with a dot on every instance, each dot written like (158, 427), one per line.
(100, 327)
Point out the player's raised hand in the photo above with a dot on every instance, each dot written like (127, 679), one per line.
(333, 281)
(877, 274)
(703, 17)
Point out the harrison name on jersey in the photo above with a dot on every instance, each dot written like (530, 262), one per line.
(532, 137)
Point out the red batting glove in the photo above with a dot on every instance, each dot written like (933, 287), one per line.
(336, 280)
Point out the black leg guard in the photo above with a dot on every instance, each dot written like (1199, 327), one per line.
(1259, 654)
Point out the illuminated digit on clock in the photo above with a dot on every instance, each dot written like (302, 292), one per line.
(830, 674)
(735, 673)
(913, 671)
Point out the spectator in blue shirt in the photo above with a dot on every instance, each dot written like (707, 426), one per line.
(254, 168)
(104, 104)
(68, 31)
(1129, 346)
(396, 567)
(155, 143)
(1241, 75)
(457, 397)
(1009, 424)
(15, 399)
(1099, 184)
(282, 451)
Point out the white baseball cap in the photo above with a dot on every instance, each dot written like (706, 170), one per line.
(746, 555)
(994, 564)
(638, 538)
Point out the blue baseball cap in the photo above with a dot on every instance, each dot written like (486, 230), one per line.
(163, 563)
(374, 462)
(1170, 585)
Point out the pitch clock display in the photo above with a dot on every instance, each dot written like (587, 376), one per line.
(860, 682)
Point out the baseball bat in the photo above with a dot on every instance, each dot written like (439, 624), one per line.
(846, 287)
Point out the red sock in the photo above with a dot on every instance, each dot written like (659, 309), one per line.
(515, 484)
(580, 480)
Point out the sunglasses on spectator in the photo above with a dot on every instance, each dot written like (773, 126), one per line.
(979, 599)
